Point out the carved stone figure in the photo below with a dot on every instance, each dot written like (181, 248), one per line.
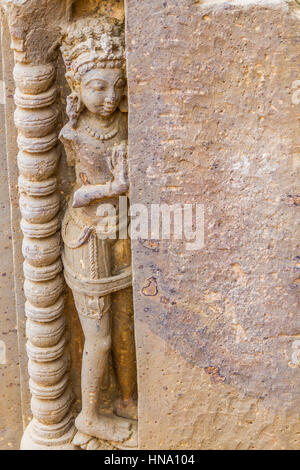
(98, 268)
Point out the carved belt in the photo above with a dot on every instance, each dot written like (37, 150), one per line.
(97, 287)
(87, 225)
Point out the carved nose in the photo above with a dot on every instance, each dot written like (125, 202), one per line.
(111, 100)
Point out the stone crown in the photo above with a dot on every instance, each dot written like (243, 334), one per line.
(98, 42)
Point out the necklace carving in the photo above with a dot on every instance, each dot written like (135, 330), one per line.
(96, 135)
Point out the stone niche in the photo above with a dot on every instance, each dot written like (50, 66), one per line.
(213, 119)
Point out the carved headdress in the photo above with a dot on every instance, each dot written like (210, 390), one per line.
(93, 43)
(87, 44)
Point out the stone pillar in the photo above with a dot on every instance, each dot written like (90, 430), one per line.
(213, 120)
(36, 118)
(11, 425)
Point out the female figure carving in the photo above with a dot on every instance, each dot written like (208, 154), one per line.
(98, 268)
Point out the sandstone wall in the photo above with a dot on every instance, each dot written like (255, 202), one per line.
(212, 121)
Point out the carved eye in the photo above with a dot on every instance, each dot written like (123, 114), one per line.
(120, 83)
(97, 85)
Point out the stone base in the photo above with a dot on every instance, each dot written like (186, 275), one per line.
(32, 442)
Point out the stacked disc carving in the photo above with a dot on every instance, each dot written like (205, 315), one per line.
(36, 119)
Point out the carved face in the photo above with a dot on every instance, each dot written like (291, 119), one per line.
(102, 90)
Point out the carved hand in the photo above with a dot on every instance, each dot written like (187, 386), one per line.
(118, 166)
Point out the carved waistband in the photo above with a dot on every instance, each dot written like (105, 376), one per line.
(97, 287)
(87, 225)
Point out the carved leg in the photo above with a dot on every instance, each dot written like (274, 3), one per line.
(94, 360)
(90, 260)
(95, 356)
(123, 341)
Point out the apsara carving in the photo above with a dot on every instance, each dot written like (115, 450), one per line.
(98, 269)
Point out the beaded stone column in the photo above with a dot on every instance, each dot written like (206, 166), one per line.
(36, 120)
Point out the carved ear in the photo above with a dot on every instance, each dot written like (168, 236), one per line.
(71, 80)
(123, 106)
(74, 108)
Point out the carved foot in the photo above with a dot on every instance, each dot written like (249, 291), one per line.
(108, 428)
(85, 442)
(132, 442)
(126, 409)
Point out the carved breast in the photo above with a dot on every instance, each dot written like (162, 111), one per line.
(93, 164)
(93, 155)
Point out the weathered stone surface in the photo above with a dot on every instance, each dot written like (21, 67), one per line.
(212, 121)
